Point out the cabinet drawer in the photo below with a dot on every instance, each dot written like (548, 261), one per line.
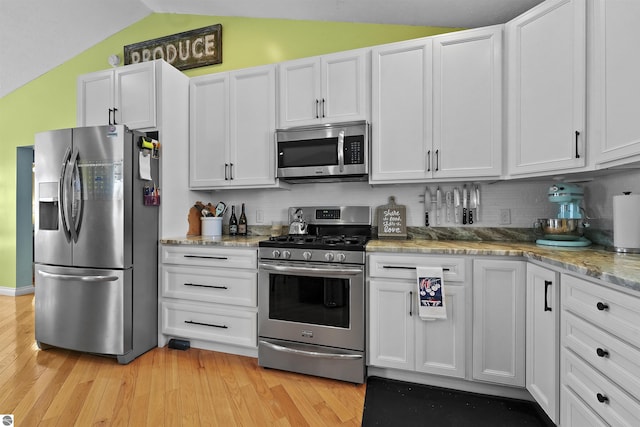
(614, 405)
(575, 413)
(404, 267)
(620, 363)
(221, 285)
(210, 257)
(234, 327)
(613, 311)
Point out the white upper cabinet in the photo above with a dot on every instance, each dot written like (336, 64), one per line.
(232, 123)
(123, 95)
(401, 129)
(437, 107)
(615, 84)
(546, 78)
(467, 103)
(324, 89)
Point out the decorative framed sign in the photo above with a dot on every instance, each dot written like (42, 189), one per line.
(189, 49)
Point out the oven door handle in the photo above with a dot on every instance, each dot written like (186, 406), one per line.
(324, 271)
(315, 354)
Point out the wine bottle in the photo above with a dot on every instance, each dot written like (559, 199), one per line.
(242, 223)
(233, 222)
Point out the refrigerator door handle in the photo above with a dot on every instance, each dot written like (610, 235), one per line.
(71, 277)
(75, 208)
(62, 194)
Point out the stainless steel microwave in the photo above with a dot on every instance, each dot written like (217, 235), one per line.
(315, 153)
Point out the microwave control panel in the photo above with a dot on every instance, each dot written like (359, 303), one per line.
(354, 150)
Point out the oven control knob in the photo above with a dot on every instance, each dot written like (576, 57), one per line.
(328, 256)
(276, 253)
(306, 255)
(286, 254)
(341, 257)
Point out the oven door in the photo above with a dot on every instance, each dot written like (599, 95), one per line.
(312, 303)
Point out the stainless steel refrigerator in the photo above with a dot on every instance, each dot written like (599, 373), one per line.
(96, 242)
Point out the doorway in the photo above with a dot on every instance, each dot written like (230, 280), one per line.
(24, 220)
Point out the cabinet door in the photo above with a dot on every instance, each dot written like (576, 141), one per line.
(345, 86)
(299, 90)
(252, 125)
(467, 103)
(135, 95)
(499, 321)
(95, 98)
(542, 338)
(391, 324)
(440, 344)
(208, 131)
(546, 70)
(401, 112)
(615, 84)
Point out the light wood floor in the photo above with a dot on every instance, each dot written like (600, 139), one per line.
(161, 388)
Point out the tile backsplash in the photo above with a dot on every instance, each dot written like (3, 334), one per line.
(525, 200)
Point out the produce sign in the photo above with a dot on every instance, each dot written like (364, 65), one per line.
(189, 49)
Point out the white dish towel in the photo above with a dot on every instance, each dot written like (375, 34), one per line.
(431, 293)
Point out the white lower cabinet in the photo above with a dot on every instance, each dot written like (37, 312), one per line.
(543, 338)
(209, 297)
(600, 355)
(499, 321)
(398, 337)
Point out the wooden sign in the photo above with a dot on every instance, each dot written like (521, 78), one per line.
(392, 220)
(189, 49)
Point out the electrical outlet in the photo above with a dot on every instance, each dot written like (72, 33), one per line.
(259, 216)
(505, 216)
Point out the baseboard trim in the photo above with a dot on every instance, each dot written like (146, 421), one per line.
(16, 292)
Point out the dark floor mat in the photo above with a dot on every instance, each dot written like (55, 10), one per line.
(397, 403)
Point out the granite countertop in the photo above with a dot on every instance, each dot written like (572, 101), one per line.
(592, 261)
(224, 240)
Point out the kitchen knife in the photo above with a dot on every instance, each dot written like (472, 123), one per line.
(477, 191)
(449, 201)
(427, 206)
(472, 204)
(456, 205)
(438, 205)
(464, 204)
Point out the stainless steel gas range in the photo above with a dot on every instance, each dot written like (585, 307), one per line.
(311, 299)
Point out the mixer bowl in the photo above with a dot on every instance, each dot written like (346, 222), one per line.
(561, 228)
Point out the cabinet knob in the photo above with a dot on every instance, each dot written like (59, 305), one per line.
(602, 352)
(602, 398)
(602, 306)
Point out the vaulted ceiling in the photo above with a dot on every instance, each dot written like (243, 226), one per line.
(37, 35)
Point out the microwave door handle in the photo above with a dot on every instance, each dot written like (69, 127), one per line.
(341, 151)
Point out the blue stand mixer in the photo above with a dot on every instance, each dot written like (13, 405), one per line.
(567, 228)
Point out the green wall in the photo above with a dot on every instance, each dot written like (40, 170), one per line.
(49, 102)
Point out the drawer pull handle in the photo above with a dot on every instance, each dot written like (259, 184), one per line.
(547, 283)
(602, 352)
(206, 286)
(191, 322)
(602, 398)
(401, 267)
(206, 257)
(602, 306)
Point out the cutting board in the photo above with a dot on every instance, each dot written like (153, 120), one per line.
(392, 220)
